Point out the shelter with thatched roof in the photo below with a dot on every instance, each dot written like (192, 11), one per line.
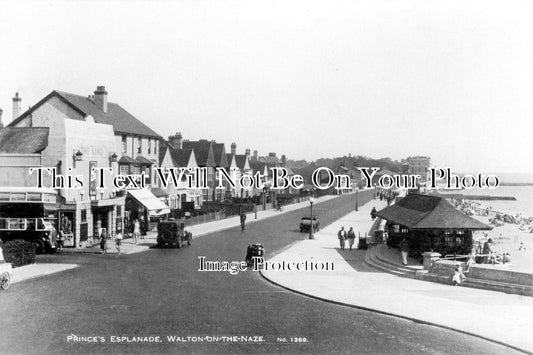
(429, 223)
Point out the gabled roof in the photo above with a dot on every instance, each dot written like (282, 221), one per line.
(24, 140)
(257, 166)
(203, 150)
(229, 158)
(122, 121)
(429, 212)
(240, 159)
(270, 160)
(219, 149)
(163, 146)
(180, 157)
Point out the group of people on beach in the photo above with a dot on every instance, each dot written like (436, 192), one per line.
(472, 208)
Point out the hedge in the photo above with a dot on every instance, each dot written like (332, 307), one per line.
(19, 252)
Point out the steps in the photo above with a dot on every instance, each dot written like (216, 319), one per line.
(374, 259)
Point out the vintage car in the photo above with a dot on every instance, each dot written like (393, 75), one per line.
(305, 224)
(254, 250)
(172, 232)
(6, 273)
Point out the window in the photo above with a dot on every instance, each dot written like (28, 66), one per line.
(119, 210)
(124, 143)
(83, 216)
(124, 169)
(155, 146)
(139, 145)
(149, 146)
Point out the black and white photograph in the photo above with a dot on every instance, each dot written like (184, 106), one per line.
(266, 177)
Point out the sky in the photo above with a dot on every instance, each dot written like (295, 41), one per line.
(452, 80)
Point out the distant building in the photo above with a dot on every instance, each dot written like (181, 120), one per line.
(419, 165)
(171, 157)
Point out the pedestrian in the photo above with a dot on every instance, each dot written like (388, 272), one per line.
(103, 240)
(373, 213)
(2, 261)
(471, 260)
(342, 237)
(243, 220)
(60, 240)
(487, 251)
(351, 237)
(118, 240)
(404, 248)
(142, 223)
(136, 230)
(458, 276)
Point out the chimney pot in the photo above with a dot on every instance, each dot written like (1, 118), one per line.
(100, 98)
(233, 148)
(16, 105)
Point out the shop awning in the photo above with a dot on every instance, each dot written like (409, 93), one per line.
(143, 160)
(154, 205)
(128, 160)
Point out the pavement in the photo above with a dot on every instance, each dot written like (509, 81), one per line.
(499, 317)
(128, 247)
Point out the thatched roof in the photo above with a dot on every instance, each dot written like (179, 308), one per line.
(429, 212)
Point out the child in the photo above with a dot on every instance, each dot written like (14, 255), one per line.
(458, 276)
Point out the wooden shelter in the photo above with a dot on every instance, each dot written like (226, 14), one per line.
(429, 223)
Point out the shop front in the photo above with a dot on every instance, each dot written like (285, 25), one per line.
(142, 204)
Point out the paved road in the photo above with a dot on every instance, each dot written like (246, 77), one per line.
(161, 293)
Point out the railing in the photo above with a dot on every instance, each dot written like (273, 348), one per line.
(491, 258)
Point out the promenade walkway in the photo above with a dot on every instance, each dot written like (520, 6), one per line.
(496, 316)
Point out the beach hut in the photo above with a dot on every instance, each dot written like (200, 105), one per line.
(429, 223)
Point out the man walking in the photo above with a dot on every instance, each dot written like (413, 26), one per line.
(342, 237)
(243, 220)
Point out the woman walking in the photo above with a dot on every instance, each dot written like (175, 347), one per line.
(103, 241)
(136, 230)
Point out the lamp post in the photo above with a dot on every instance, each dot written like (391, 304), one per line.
(311, 201)
(356, 202)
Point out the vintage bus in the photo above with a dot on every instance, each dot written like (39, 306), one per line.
(29, 213)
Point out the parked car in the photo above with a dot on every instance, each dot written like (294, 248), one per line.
(6, 273)
(172, 232)
(305, 224)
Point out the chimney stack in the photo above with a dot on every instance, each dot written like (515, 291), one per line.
(1, 124)
(16, 106)
(100, 98)
(247, 153)
(176, 140)
(283, 159)
(256, 154)
(233, 148)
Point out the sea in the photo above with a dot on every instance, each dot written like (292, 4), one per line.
(523, 194)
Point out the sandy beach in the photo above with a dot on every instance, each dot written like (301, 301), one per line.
(507, 238)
